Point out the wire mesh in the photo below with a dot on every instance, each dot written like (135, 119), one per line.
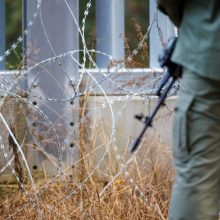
(64, 138)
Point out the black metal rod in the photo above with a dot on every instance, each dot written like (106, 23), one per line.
(163, 82)
(148, 120)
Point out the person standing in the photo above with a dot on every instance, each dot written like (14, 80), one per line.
(196, 129)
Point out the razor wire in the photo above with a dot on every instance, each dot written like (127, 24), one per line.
(5, 84)
(25, 32)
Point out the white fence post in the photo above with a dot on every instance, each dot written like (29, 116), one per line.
(53, 34)
(162, 27)
(110, 30)
(2, 32)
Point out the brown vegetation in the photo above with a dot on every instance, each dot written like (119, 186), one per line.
(113, 197)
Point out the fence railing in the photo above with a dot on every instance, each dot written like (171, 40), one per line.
(110, 29)
(52, 82)
(2, 31)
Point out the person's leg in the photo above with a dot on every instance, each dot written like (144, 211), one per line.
(196, 150)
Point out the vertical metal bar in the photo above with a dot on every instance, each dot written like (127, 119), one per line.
(2, 32)
(110, 29)
(24, 27)
(162, 30)
(53, 34)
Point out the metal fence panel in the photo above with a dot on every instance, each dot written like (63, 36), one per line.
(161, 31)
(2, 32)
(51, 77)
(110, 30)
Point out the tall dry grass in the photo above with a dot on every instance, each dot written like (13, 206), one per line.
(107, 193)
(111, 197)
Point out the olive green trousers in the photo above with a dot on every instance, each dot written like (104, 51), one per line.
(196, 150)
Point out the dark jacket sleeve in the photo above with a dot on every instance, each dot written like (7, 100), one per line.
(172, 8)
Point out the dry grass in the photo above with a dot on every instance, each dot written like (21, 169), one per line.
(106, 194)
(120, 200)
(98, 192)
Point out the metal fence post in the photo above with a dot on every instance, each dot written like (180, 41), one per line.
(162, 27)
(2, 32)
(49, 42)
(110, 30)
(24, 26)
